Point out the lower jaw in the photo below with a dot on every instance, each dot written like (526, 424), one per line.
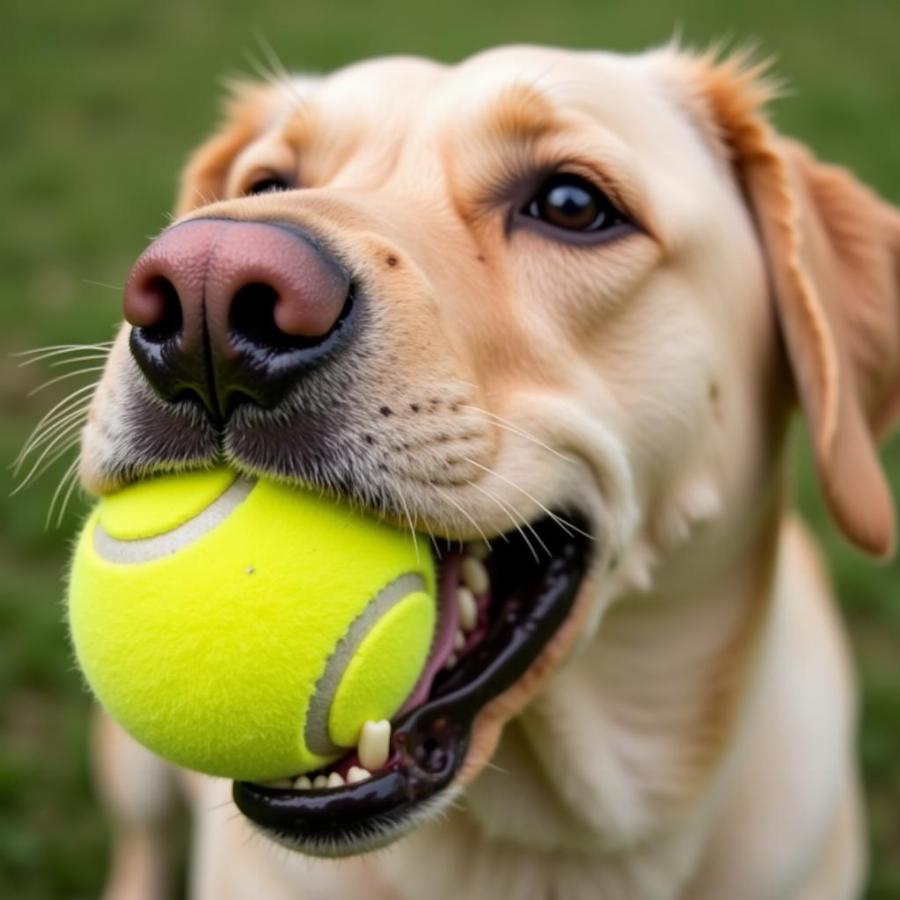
(530, 600)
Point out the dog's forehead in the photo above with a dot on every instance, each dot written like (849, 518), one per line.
(621, 90)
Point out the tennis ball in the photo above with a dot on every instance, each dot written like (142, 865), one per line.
(245, 628)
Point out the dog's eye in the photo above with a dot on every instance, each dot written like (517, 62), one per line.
(269, 184)
(572, 203)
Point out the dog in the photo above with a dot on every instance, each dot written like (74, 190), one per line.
(559, 306)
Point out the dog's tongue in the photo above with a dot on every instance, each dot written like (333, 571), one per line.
(448, 625)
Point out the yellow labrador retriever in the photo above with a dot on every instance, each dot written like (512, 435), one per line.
(555, 307)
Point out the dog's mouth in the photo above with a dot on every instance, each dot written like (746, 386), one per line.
(499, 605)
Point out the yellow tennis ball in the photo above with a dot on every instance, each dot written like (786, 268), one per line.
(247, 629)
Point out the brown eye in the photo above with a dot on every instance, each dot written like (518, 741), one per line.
(269, 184)
(572, 203)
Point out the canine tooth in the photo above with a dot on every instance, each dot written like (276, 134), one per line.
(357, 774)
(335, 780)
(451, 661)
(459, 641)
(374, 744)
(478, 549)
(320, 781)
(302, 783)
(474, 575)
(468, 608)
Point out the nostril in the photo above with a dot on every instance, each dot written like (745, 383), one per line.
(232, 311)
(252, 320)
(155, 307)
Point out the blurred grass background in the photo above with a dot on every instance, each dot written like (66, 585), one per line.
(101, 101)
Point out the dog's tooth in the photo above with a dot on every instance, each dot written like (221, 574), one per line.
(468, 608)
(374, 744)
(357, 774)
(320, 781)
(474, 575)
(478, 549)
(451, 661)
(302, 783)
(335, 780)
(459, 641)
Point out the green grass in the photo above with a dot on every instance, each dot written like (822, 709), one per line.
(102, 99)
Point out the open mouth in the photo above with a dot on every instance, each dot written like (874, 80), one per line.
(499, 605)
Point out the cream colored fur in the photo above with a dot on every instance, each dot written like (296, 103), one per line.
(689, 733)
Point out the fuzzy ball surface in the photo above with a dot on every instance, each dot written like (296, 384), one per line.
(247, 629)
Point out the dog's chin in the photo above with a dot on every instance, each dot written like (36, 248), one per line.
(533, 580)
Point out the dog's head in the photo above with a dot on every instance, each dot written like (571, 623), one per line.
(543, 302)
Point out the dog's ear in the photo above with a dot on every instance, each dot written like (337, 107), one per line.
(833, 251)
(248, 107)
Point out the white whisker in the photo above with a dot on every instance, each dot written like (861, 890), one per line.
(500, 422)
(40, 431)
(69, 399)
(60, 409)
(73, 485)
(70, 361)
(564, 524)
(47, 458)
(280, 71)
(71, 420)
(412, 528)
(70, 473)
(467, 514)
(103, 284)
(516, 524)
(86, 371)
(273, 72)
(39, 353)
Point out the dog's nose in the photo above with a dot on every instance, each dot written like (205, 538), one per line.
(226, 311)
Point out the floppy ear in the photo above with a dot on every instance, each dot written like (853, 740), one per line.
(833, 251)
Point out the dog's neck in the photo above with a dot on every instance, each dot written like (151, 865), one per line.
(657, 697)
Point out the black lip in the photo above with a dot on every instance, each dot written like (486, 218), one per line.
(430, 743)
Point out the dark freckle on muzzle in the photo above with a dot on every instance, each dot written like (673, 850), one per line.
(226, 312)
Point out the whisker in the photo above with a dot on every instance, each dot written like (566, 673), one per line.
(73, 485)
(71, 472)
(44, 462)
(467, 514)
(274, 73)
(429, 533)
(87, 371)
(525, 523)
(71, 361)
(500, 505)
(568, 527)
(257, 68)
(412, 530)
(56, 410)
(279, 69)
(500, 422)
(103, 284)
(40, 431)
(39, 353)
(71, 420)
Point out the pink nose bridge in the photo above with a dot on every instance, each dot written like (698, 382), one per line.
(209, 261)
